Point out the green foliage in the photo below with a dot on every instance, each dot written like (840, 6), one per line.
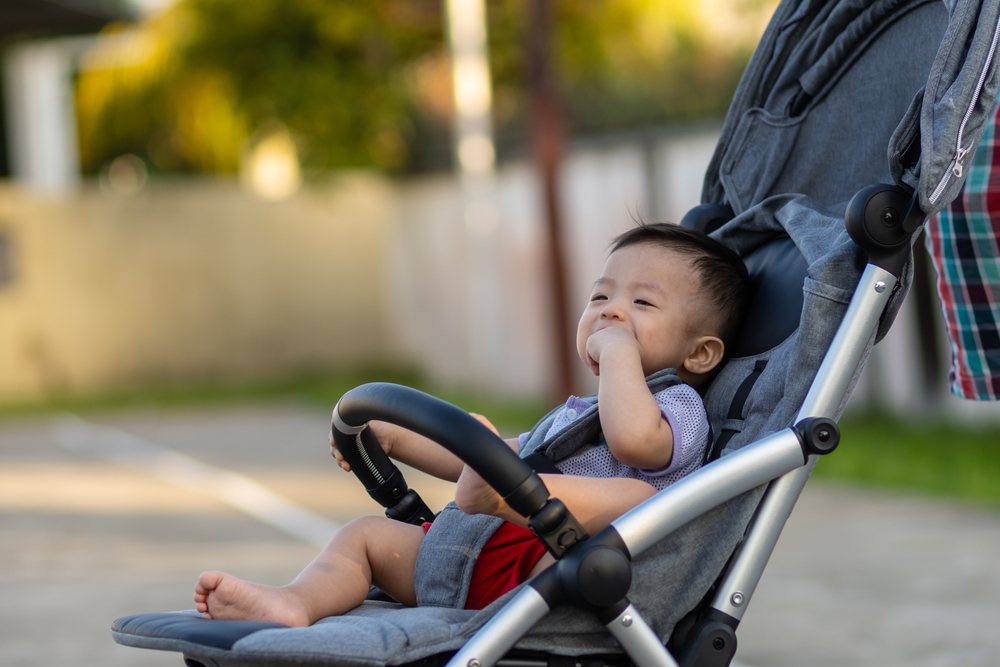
(622, 65)
(938, 459)
(368, 84)
(326, 69)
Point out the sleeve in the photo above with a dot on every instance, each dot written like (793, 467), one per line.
(684, 410)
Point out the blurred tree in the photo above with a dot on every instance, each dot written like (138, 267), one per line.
(218, 69)
(367, 84)
(625, 64)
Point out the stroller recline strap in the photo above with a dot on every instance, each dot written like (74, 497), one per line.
(740, 398)
(736, 410)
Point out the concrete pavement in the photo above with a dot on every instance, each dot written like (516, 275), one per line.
(859, 577)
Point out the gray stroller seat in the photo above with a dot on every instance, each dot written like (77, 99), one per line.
(819, 103)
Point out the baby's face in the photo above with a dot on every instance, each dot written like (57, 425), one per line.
(651, 292)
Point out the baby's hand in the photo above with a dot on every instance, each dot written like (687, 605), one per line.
(472, 494)
(607, 339)
(384, 432)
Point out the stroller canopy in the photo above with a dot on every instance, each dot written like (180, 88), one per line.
(813, 50)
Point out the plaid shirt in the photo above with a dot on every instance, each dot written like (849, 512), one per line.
(962, 242)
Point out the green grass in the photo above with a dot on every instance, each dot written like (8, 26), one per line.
(511, 416)
(936, 459)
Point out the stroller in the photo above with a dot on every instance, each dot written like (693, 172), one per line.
(830, 86)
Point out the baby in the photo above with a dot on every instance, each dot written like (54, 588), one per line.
(668, 298)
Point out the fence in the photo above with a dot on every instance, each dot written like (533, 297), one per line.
(196, 278)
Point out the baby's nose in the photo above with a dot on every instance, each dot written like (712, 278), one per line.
(612, 311)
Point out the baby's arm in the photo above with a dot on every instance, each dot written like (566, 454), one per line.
(416, 450)
(595, 502)
(634, 428)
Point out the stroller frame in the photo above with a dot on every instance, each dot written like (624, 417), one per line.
(783, 459)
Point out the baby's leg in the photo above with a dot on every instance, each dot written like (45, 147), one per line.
(369, 550)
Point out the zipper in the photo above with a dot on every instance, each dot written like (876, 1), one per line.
(960, 153)
(368, 462)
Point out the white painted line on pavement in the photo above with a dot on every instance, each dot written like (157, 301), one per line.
(234, 489)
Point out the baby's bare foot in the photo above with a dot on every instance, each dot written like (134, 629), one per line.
(223, 596)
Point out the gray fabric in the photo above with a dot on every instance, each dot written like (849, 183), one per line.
(928, 69)
(862, 61)
(376, 633)
(950, 115)
(835, 265)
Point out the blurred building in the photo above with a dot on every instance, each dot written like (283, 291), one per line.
(41, 41)
(190, 278)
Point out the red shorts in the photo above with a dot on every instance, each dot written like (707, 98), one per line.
(504, 562)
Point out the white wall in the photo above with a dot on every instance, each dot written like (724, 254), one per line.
(40, 110)
(190, 279)
(603, 187)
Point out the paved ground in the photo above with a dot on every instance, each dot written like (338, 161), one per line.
(90, 531)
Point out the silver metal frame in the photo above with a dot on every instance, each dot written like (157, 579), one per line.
(777, 459)
(826, 394)
(501, 632)
(639, 641)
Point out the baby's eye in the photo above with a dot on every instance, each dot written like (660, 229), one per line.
(598, 297)
(642, 302)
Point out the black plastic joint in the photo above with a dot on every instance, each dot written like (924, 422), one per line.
(712, 643)
(881, 220)
(410, 509)
(548, 585)
(556, 527)
(612, 611)
(818, 435)
(597, 574)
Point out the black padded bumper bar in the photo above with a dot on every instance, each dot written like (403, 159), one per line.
(449, 426)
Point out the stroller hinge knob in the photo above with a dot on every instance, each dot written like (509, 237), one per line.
(818, 435)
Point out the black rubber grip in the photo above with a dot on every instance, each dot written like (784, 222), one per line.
(451, 427)
(371, 465)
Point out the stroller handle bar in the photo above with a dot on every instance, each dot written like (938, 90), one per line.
(449, 426)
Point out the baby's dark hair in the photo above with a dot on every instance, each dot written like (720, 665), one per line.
(722, 274)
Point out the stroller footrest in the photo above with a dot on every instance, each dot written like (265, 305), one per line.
(192, 628)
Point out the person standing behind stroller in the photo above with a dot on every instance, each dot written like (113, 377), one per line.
(963, 241)
(668, 298)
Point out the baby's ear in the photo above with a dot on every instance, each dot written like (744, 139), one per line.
(705, 355)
